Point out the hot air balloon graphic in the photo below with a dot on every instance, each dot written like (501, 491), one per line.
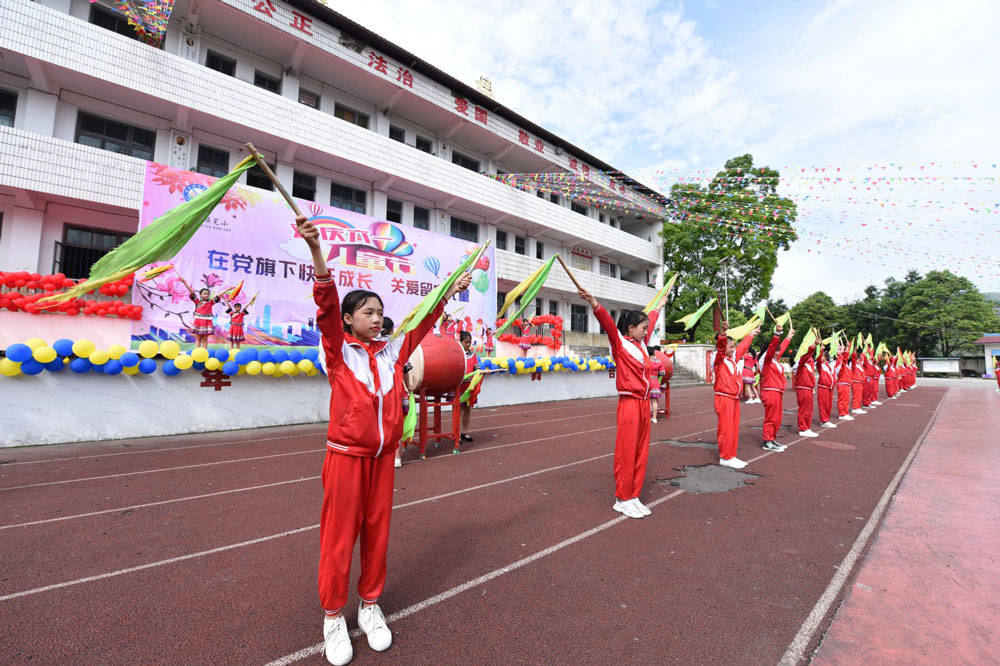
(389, 238)
(433, 265)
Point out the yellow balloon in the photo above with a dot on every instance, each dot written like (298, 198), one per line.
(169, 349)
(268, 368)
(35, 343)
(99, 357)
(287, 366)
(232, 354)
(83, 348)
(253, 368)
(305, 365)
(213, 364)
(44, 354)
(148, 348)
(312, 373)
(116, 351)
(131, 370)
(9, 368)
(199, 354)
(183, 361)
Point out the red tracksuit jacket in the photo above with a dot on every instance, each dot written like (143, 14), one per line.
(366, 403)
(805, 375)
(729, 373)
(772, 377)
(827, 373)
(631, 359)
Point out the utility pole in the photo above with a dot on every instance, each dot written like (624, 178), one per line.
(725, 278)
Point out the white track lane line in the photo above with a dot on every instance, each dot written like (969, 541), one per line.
(181, 558)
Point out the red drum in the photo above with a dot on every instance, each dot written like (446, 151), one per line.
(438, 365)
(668, 365)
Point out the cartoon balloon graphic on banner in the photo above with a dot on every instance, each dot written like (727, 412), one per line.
(433, 265)
(389, 238)
(480, 281)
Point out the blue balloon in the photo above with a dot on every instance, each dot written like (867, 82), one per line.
(129, 359)
(55, 365)
(264, 356)
(20, 353)
(113, 367)
(79, 365)
(280, 356)
(147, 366)
(295, 356)
(221, 354)
(244, 356)
(230, 368)
(31, 367)
(529, 362)
(170, 369)
(63, 347)
(196, 366)
(312, 354)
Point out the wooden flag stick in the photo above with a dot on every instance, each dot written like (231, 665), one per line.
(274, 179)
(566, 268)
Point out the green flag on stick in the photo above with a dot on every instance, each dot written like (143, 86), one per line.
(526, 290)
(424, 307)
(740, 332)
(159, 241)
(476, 379)
(761, 312)
(807, 341)
(660, 294)
(410, 420)
(782, 319)
(691, 320)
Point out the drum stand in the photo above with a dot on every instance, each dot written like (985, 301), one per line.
(422, 436)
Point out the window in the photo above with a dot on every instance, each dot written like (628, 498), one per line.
(304, 186)
(501, 240)
(421, 218)
(220, 63)
(257, 178)
(351, 116)
(539, 304)
(578, 208)
(115, 136)
(581, 261)
(578, 318)
(397, 134)
(267, 82)
(81, 248)
(501, 297)
(540, 194)
(600, 218)
(464, 229)
(394, 210)
(519, 243)
(347, 198)
(554, 198)
(554, 308)
(614, 222)
(309, 98)
(212, 161)
(464, 161)
(539, 250)
(113, 21)
(608, 269)
(425, 145)
(8, 106)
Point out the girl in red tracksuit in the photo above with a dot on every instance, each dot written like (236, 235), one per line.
(655, 373)
(843, 372)
(871, 383)
(628, 349)
(827, 373)
(805, 385)
(857, 383)
(772, 387)
(366, 422)
(728, 386)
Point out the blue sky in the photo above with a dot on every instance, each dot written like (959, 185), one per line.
(663, 89)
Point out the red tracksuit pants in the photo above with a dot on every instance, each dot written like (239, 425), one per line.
(867, 394)
(843, 399)
(728, 432)
(824, 400)
(357, 499)
(631, 446)
(856, 388)
(772, 413)
(805, 399)
(665, 392)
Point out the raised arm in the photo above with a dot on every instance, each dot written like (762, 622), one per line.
(654, 316)
(328, 317)
(771, 348)
(741, 349)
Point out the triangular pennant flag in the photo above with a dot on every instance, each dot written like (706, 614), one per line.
(159, 241)
(429, 302)
(476, 379)
(739, 332)
(235, 291)
(781, 319)
(410, 420)
(691, 320)
(808, 340)
(526, 290)
(760, 312)
(660, 294)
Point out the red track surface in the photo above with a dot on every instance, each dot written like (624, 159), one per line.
(202, 549)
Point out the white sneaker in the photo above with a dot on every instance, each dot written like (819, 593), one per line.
(858, 411)
(828, 425)
(642, 508)
(654, 419)
(398, 463)
(735, 463)
(372, 622)
(807, 433)
(337, 641)
(846, 417)
(627, 508)
(876, 402)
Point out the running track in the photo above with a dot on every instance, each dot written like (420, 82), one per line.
(202, 549)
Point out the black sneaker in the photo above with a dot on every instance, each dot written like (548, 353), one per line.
(772, 446)
(465, 438)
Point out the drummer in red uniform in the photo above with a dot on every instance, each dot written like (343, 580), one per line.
(471, 361)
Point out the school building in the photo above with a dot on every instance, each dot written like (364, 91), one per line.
(345, 117)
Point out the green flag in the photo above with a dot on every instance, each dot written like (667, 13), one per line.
(159, 241)
(410, 420)
(660, 294)
(476, 379)
(526, 290)
(424, 307)
(740, 332)
(807, 341)
(780, 320)
(761, 312)
(691, 320)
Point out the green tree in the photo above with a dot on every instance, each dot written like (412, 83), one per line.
(734, 226)
(951, 309)
(818, 310)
